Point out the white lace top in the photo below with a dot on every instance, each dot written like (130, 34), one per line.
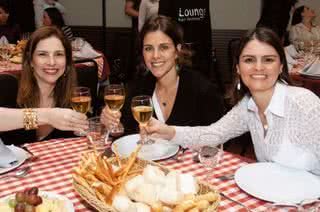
(301, 32)
(293, 135)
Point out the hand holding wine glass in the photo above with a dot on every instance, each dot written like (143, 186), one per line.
(81, 101)
(114, 97)
(142, 110)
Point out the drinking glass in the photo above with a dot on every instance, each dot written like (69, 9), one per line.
(114, 96)
(81, 102)
(209, 156)
(142, 110)
(97, 135)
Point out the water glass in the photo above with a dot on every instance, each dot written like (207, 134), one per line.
(209, 156)
(97, 135)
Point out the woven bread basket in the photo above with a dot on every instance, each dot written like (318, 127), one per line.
(101, 206)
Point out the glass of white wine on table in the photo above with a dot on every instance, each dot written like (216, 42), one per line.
(142, 110)
(114, 97)
(81, 102)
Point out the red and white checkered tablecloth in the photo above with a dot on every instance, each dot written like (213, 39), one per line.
(52, 172)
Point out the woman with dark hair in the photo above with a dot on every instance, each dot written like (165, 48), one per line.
(303, 28)
(46, 83)
(10, 31)
(53, 17)
(283, 120)
(178, 94)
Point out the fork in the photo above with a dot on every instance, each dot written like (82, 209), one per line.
(235, 201)
(226, 177)
(176, 157)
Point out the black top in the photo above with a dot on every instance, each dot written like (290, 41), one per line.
(194, 17)
(12, 32)
(22, 13)
(8, 96)
(197, 101)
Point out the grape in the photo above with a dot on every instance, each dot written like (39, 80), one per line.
(34, 190)
(32, 199)
(12, 203)
(20, 196)
(20, 207)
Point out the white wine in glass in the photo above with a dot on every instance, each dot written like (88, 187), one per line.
(81, 101)
(142, 110)
(114, 97)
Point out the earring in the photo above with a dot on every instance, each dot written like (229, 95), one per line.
(283, 81)
(177, 68)
(239, 85)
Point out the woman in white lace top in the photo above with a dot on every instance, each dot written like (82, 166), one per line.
(303, 28)
(283, 120)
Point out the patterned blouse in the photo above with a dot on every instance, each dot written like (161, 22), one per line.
(300, 32)
(292, 137)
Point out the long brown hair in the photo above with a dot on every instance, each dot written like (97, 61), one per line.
(29, 92)
(264, 35)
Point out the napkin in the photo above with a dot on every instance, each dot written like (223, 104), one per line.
(313, 68)
(291, 50)
(3, 40)
(86, 51)
(7, 157)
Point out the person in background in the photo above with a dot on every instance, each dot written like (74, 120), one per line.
(194, 17)
(43, 91)
(53, 17)
(180, 96)
(131, 9)
(147, 9)
(41, 5)
(275, 15)
(303, 28)
(283, 120)
(22, 13)
(10, 31)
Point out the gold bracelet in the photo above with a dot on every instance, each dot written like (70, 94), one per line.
(30, 119)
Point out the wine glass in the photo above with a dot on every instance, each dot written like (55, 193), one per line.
(81, 102)
(114, 96)
(209, 156)
(142, 110)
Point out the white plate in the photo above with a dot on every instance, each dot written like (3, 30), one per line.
(279, 184)
(21, 155)
(50, 195)
(160, 150)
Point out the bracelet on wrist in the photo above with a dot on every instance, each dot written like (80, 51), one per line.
(30, 119)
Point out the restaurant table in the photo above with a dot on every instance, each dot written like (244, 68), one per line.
(312, 84)
(52, 172)
(102, 64)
